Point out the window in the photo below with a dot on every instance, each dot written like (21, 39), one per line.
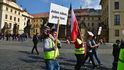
(99, 18)
(10, 17)
(14, 18)
(6, 8)
(11, 10)
(18, 20)
(116, 5)
(117, 19)
(10, 25)
(6, 16)
(88, 24)
(92, 18)
(19, 13)
(15, 12)
(92, 24)
(84, 18)
(116, 33)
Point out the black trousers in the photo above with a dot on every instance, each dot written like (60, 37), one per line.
(90, 55)
(80, 58)
(115, 63)
(35, 47)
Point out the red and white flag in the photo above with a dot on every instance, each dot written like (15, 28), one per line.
(74, 26)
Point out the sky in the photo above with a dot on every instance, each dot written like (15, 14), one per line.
(38, 6)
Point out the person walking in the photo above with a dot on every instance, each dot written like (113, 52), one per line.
(80, 51)
(121, 57)
(116, 50)
(93, 42)
(89, 50)
(50, 52)
(35, 42)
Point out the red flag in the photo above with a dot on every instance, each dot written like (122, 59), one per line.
(74, 26)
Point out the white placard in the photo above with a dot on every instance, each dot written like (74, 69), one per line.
(56, 12)
(99, 31)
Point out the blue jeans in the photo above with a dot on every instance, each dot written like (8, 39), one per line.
(52, 64)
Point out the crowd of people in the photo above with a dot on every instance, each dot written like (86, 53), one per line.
(17, 37)
(84, 49)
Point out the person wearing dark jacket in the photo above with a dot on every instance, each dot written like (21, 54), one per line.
(35, 42)
(116, 50)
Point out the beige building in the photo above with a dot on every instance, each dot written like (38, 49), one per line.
(10, 14)
(112, 16)
(37, 22)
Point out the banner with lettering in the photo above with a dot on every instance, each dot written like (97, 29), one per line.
(56, 12)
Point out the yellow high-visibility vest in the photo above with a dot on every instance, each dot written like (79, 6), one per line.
(79, 50)
(50, 54)
(121, 60)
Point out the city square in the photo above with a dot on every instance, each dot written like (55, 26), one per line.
(15, 55)
(61, 35)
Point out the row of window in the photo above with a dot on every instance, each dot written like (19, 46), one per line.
(88, 24)
(89, 18)
(36, 20)
(8, 25)
(12, 10)
(12, 18)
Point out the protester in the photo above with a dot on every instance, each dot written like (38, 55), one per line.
(80, 51)
(116, 50)
(94, 50)
(89, 50)
(121, 57)
(50, 52)
(35, 42)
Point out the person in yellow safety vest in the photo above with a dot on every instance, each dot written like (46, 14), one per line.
(80, 50)
(121, 57)
(49, 51)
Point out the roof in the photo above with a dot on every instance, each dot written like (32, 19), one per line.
(80, 10)
(43, 14)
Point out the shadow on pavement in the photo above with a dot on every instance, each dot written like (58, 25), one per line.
(35, 57)
(28, 60)
(32, 59)
(25, 52)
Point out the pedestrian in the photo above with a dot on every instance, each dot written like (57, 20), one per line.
(89, 50)
(94, 50)
(121, 57)
(50, 52)
(80, 51)
(116, 50)
(35, 42)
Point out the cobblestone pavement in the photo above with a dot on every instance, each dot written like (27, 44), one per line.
(16, 55)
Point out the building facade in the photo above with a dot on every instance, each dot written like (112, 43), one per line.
(11, 14)
(88, 19)
(38, 21)
(112, 16)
